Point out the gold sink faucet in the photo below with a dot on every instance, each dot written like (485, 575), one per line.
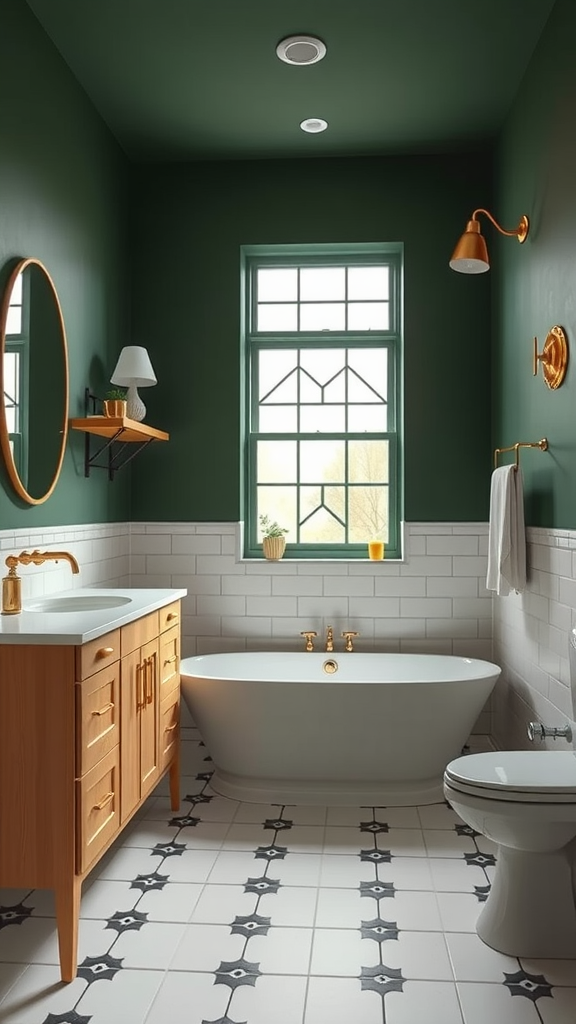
(12, 583)
(329, 639)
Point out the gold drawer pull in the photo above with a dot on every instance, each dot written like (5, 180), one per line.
(105, 800)
(169, 661)
(171, 616)
(170, 728)
(103, 652)
(107, 707)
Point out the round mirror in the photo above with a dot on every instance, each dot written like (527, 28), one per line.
(33, 382)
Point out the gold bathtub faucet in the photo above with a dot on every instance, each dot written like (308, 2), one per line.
(12, 583)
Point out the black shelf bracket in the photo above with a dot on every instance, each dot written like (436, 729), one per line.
(117, 457)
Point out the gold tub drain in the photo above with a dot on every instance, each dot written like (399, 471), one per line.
(330, 666)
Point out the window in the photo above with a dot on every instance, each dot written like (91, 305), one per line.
(15, 367)
(322, 375)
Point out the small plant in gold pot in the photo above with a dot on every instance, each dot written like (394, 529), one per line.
(115, 403)
(273, 540)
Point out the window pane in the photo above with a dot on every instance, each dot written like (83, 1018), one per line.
(272, 368)
(322, 527)
(329, 419)
(325, 316)
(279, 317)
(322, 283)
(368, 316)
(279, 504)
(372, 419)
(368, 513)
(368, 283)
(276, 461)
(322, 364)
(279, 284)
(14, 320)
(371, 364)
(322, 461)
(368, 461)
(278, 419)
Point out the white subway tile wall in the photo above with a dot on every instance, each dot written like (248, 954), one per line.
(102, 551)
(531, 638)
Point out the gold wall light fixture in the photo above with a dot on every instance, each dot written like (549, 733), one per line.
(554, 357)
(471, 255)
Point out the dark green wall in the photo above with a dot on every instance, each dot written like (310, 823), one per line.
(189, 222)
(536, 282)
(63, 200)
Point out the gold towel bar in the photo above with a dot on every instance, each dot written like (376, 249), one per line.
(542, 445)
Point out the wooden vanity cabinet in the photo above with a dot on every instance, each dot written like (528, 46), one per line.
(86, 733)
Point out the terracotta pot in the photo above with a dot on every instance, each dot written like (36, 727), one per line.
(273, 548)
(115, 408)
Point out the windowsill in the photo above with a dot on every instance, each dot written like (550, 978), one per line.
(401, 560)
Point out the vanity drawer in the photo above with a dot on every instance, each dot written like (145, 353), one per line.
(97, 717)
(98, 808)
(170, 616)
(138, 633)
(96, 654)
(169, 728)
(169, 661)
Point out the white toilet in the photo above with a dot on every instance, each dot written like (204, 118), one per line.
(525, 801)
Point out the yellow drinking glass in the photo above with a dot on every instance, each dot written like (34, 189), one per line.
(376, 550)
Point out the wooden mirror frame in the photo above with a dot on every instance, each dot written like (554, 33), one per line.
(4, 438)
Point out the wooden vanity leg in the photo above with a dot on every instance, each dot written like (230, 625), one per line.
(175, 781)
(67, 914)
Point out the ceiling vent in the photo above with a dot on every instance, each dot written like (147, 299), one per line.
(301, 50)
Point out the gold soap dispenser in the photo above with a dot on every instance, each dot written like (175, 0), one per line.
(11, 589)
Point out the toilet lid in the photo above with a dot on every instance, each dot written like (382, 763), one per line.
(516, 771)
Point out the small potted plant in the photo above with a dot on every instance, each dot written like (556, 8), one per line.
(115, 403)
(273, 540)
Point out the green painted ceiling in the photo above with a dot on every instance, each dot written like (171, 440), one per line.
(199, 79)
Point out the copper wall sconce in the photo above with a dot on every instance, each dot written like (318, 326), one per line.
(471, 255)
(554, 357)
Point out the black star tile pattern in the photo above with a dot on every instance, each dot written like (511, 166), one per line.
(244, 971)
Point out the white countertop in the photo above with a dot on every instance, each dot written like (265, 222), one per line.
(77, 627)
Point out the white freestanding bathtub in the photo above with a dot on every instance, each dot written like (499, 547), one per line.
(341, 728)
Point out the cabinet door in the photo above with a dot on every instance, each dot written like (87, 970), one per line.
(131, 701)
(149, 760)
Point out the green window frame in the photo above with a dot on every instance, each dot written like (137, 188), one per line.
(321, 410)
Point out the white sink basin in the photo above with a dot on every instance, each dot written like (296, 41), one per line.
(82, 603)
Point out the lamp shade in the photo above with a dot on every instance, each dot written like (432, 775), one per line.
(134, 368)
(471, 255)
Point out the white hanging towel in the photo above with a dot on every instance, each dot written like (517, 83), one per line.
(507, 537)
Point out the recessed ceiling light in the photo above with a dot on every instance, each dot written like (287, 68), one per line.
(301, 50)
(314, 125)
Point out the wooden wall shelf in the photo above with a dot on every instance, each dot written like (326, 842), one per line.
(118, 433)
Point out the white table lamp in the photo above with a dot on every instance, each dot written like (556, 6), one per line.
(134, 370)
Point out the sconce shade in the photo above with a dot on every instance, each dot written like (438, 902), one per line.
(471, 255)
(134, 367)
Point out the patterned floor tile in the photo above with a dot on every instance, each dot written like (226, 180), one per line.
(37, 992)
(9, 974)
(208, 835)
(345, 908)
(274, 1000)
(289, 905)
(299, 815)
(395, 817)
(473, 960)
(204, 946)
(484, 1003)
(188, 999)
(433, 1002)
(292, 869)
(458, 911)
(341, 1001)
(348, 872)
(438, 816)
(453, 875)
(298, 838)
(420, 955)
